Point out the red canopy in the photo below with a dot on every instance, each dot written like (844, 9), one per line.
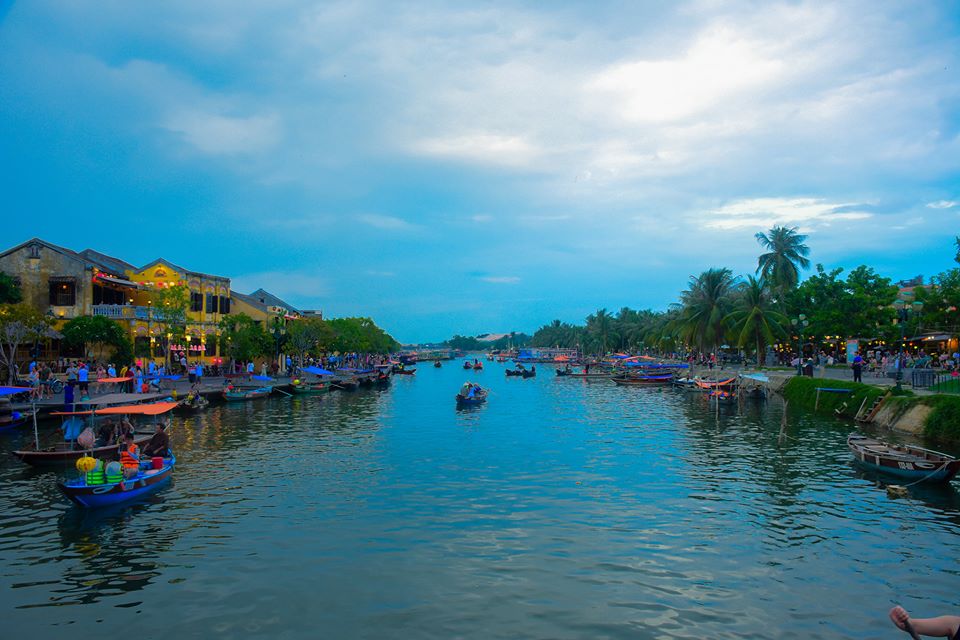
(153, 409)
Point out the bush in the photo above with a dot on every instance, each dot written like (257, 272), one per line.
(943, 423)
(802, 392)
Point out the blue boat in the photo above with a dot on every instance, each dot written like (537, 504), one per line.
(905, 461)
(92, 496)
(479, 396)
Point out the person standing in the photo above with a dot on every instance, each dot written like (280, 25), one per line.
(71, 374)
(857, 366)
(199, 372)
(83, 379)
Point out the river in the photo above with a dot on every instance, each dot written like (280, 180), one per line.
(560, 509)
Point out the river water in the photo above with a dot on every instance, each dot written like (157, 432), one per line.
(560, 509)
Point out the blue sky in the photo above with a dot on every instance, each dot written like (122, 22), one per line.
(448, 167)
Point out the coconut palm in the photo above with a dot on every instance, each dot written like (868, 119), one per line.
(704, 307)
(754, 319)
(786, 255)
(600, 328)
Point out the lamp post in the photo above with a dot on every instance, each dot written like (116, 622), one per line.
(904, 311)
(800, 323)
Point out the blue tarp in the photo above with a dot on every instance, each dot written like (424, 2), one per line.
(317, 371)
(656, 366)
(262, 378)
(9, 391)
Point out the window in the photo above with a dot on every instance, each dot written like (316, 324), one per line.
(106, 295)
(63, 291)
(210, 347)
(213, 305)
(224, 304)
(196, 301)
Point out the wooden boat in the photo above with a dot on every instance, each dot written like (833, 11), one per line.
(405, 372)
(708, 385)
(66, 452)
(594, 375)
(563, 372)
(478, 365)
(468, 365)
(235, 394)
(305, 388)
(523, 373)
(345, 383)
(905, 461)
(20, 418)
(479, 398)
(437, 364)
(192, 404)
(92, 496)
(643, 381)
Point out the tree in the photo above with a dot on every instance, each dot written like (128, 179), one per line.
(20, 324)
(242, 338)
(600, 328)
(786, 255)
(95, 331)
(9, 290)
(754, 320)
(307, 335)
(704, 307)
(956, 243)
(360, 335)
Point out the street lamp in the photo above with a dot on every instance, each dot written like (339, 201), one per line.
(279, 328)
(904, 311)
(800, 323)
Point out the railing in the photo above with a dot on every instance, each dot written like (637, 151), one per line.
(121, 311)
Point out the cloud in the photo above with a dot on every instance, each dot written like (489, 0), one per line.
(383, 222)
(763, 213)
(222, 135)
(481, 218)
(380, 274)
(943, 204)
(500, 279)
(482, 147)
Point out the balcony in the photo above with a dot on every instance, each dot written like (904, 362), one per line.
(121, 311)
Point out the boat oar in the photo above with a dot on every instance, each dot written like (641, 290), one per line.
(289, 395)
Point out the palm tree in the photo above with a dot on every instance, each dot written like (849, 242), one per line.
(704, 307)
(754, 319)
(786, 255)
(600, 328)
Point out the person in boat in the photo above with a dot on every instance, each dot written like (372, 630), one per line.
(126, 428)
(465, 389)
(130, 457)
(940, 627)
(159, 443)
(107, 434)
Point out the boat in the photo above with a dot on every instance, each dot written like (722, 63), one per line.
(595, 375)
(905, 461)
(193, 403)
(237, 394)
(468, 365)
(722, 396)
(643, 380)
(523, 373)
(478, 365)
(92, 496)
(18, 419)
(709, 385)
(405, 372)
(307, 387)
(65, 452)
(479, 397)
(564, 372)
(437, 364)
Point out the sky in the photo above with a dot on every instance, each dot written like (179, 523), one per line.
(452, 167)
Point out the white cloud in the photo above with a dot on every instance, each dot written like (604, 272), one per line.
(222, 135)
(481, 218)
(763, 213)
(943, 204)
(383, 222)
(500, 279)
(482, 147)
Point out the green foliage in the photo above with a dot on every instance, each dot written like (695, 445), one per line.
(242, 338)
(704, 308)
(754, 322)
(943, 423)
(9, 291)
(360, 335)
(95, 331)
(20, 324)
(309, 336)
(941, 302)
(859, 306)
(786, 255)
(170, 306)
(802, 393)
(465, 343)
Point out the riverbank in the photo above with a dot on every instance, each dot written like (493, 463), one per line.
(933, 416)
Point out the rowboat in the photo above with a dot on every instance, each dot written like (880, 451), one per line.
(405, 372)
(19, 418)
(595, 375)
(640, 381)
(708, 385)
(235, 394)
(478, 365)
(92, 496)
(468, 365)
(66, 452)
(437, 364)
(303, 387)
(905, 461)
(466, 401)
(522, 373)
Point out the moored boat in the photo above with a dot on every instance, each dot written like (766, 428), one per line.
(905, 461)
(236, 394)
(107, 494)
(643, 380)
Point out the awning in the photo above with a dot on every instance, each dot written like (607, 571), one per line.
(8, 391)
(933, 337)
(154, 409)
(317, 371)
(118, 281)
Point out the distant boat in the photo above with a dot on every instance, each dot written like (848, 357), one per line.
(643, 380)
(235, 394)
(906, 461)
(479, 397)
(437, 364)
